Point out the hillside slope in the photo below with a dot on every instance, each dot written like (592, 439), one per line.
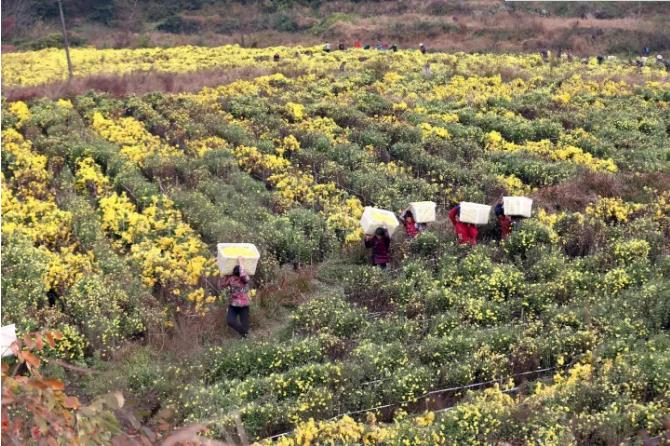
(585, 28)
(112, 205)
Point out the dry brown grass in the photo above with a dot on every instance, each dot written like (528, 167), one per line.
(576, 194)
(143, 82)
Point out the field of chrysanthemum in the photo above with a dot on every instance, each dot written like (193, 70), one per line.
(112, 207)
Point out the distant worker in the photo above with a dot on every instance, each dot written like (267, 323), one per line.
(466, 232)
(544, 54)
(357, 44)
(327, 48)
(378, 45)
(340, 46)
(426, 69)
(422, 48)
(646, 51)
(394, 48)
(238, 300)
(412, 228)
(366, 47)
(600, 59)
(276, 57)
(380, 244)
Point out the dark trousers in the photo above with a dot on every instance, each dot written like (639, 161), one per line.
(242, 327)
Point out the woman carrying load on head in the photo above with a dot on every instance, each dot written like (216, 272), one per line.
(237, 285)
(466, 232)
(412, 228)
(503, 223)
(380, 244)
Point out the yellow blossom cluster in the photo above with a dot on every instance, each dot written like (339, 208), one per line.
(49, 65)
(136, 142)
(168, 251)
(513, 185)
(578, 86)
(22, 112)
(495, 142)
(478, 89)
(90, 178)
(428, 130)
(345, 430)
(295, 111)
(41, 220)
(67, 267)
(323, 125)
(29, 207)
(199, 147)
(30, 177)
(613, 210)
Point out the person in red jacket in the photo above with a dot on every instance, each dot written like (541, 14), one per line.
(238, 303)
(412, 228)
(505, 222)
(466, 232)
(380, 243)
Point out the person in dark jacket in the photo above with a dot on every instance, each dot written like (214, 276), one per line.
(422, 48)
(466, 232)
(380, 243)
(504, 222)
(237, 285)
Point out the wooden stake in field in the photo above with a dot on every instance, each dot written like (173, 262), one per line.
(65, 41)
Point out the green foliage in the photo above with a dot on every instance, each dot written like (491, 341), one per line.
(300, 237)
(23, 290)
(176, 24)
(328, 315)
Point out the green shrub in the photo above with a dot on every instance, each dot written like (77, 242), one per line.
(328, 314)
(24, 293)
(106, 313)
(178, 25)
(299, 237)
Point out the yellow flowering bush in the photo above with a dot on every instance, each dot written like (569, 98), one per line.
(612, 210)
(135, 141)
(295, 111)
(90, 178)
(494, 141)
(22, 112)
(169, 252)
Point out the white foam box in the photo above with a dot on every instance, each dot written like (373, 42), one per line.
(374, 218)
(423, 211)
(227, 254)
(521, 206)
(7, 337)
(475, 213)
